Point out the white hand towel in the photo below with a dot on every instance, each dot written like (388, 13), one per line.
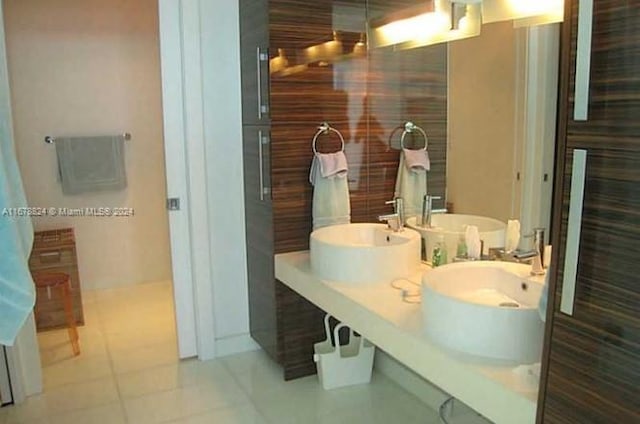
(331, 205)
(512, 237)
(417, 159)
(411, 186)
(472, 238)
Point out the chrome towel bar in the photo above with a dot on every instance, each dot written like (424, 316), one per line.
(50, 140)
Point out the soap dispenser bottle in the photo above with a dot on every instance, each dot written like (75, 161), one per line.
(439, 255)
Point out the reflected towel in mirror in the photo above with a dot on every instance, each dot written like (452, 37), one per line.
(411, 186)
(417, 160)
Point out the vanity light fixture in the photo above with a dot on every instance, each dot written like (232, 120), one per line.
(523, 12)
(465, 20)
(449, 20)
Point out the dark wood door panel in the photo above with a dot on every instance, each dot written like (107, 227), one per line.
(594, 377)
(607, 290)
(594, 355)
(614, 101)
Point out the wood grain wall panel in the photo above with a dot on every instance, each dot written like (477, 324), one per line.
(302, 325)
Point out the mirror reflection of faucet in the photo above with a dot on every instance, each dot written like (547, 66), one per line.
(428, 211)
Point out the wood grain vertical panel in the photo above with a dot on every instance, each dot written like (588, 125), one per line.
(591, 362)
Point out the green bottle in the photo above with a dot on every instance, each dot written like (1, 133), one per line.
(439, 256)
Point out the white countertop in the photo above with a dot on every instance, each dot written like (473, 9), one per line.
(379, 313)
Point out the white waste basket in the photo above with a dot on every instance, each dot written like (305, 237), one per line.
(343, 365)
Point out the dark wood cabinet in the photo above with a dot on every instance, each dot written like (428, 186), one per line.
(591, 363)
(259, 238)
(254, 58)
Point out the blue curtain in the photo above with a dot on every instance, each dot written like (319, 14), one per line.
(17, 292)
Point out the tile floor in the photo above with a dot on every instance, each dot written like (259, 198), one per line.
(129, 372)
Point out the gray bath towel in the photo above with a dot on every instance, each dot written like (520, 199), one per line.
(89, 164)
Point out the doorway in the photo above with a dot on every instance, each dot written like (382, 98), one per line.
(93, 68)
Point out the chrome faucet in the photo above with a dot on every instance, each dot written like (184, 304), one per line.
(395, 221)
(535, 256)
(428, 211)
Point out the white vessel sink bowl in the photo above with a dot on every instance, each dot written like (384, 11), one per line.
(364, 253)
(487, 309)
(452, 225)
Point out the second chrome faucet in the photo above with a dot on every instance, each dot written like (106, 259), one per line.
(428, 211)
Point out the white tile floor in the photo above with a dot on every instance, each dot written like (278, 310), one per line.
(129, 372)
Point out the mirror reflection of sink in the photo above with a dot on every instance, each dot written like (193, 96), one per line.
(364, 253)
(487, 309)
(452, 225)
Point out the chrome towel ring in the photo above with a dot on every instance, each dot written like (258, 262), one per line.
(325, 128)
(410, 128)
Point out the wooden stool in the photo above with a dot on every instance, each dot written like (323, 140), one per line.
(50, 280)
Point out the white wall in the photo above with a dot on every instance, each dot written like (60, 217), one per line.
(483, 111)
(91, 67)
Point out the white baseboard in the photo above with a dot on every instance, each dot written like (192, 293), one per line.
(426, 392)
(235, 344)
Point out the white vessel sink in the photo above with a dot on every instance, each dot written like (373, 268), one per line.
(364, 253)
(452, 225)
(487, 309)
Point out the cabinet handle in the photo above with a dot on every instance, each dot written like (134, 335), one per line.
(262, 142)
(583, 60)
(576, 202)
(260, 57)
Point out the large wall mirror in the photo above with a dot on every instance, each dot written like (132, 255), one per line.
(487, 104)
(502, 117)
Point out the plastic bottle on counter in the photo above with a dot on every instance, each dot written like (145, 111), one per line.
(461, 249)
(439, 256)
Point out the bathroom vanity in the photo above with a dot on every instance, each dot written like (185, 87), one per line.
(493, 388)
